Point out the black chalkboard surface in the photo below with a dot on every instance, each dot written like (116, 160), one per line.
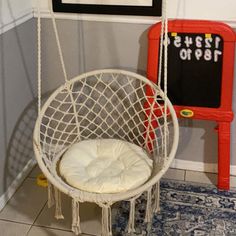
(195, 69)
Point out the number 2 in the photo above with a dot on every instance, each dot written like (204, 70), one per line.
(208, 42)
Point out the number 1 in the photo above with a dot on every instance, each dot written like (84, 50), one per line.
(217, 42)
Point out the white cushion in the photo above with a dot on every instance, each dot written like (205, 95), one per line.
(105, 166)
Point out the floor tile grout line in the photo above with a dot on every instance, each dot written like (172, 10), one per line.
(29, 230)
(36, 218)
(13, 221)
(39, 213)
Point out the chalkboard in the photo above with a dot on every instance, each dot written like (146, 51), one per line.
(201, 72)
(195, 69)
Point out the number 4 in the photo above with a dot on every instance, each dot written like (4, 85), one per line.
(188, 41)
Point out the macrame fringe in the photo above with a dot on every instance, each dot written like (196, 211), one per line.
(106, 220)
(156, 193)
(76, 227)
(51, 197)
(131, 228)
(58, 210)
(149, 211)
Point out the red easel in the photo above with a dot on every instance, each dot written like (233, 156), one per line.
(223, 115)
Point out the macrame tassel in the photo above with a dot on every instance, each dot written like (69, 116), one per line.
(58, 211)
(156, 193)
(148, 216)
(131, 228)
(106, 220)
(76, 227)
(51, 197)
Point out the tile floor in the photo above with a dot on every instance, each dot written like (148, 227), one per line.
(26, 214)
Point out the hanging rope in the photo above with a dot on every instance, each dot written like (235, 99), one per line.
(39, 50)
(58, 41)
(164, 42)
(165, 75)
(39, 56)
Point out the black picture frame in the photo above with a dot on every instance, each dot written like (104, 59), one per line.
(154, 10)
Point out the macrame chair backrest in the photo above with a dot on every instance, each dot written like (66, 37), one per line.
(105, 104)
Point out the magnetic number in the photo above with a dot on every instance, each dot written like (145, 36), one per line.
(208, 42)
(198, 54)
(177, 41)
(217, 42)
(188, 41)
(208, 55)
(198, 41)
(185, 54)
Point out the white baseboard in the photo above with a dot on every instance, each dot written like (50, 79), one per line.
(16, 183)
(199, 166)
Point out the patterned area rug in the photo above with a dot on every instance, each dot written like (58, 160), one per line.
(188, 210)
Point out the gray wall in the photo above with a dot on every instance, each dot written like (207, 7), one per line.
(93, 45)
(17, 89)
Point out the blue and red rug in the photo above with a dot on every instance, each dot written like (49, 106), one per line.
(187, 210)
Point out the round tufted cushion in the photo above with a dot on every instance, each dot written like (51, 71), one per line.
(105, 166)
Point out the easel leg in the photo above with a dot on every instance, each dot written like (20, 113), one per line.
(224, 155)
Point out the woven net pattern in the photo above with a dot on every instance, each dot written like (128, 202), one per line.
(105, 104)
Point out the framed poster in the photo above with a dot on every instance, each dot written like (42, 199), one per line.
(112, 7)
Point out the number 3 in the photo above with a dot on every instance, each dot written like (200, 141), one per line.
(198, 41)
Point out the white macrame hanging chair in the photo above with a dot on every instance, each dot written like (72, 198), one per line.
(105, 104)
